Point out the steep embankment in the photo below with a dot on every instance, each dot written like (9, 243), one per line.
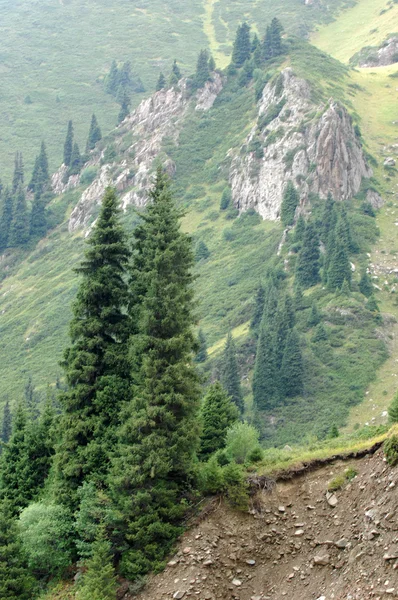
(296, 542)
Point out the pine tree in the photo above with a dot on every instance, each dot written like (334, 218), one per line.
(113, 79)
(201, 355)
(160, 435)
(290, 201)
(68, 145)
(13, 463)
(19, 228)
(329, 218)
(18, 177)
(218, 413)
(267, 44)
(30, 400)
(212, 63)
(242, 47)
(40, 175)
(99, 579)
(6, 218)
(314, 317)
(343, 231)
(275, 37)
(226, 198)
(299, 230)
(298, 301)
(15, 581)
(258, 309)
(94, 134)
(373, 306)
(202, 70)
(365, 285)
(6, 427)
(339, 268)
(38, 220)
(281, 325)
(96, 364)
(124, 108)
(307, 270)
(292, 367)
(161, 83)
(75, 160)
(176, 71)
(393, 409)
(230, 373)
(201, 251)
(320, 334)
(265, 380)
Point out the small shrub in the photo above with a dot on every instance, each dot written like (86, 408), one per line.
(241, 440)
(337, 483)
(225, 198)
(350, 473)
(236, 487)
(391, 450)
(256, 455)
(88, 175)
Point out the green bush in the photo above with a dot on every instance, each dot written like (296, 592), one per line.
(88, 175)
(45, 532)
(90, 515)
(256, 455)
(226, 198)
(241, 440)
(336, 483)
(391, 450)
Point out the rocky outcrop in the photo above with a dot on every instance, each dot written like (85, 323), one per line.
(156, 118)
(384, 55)
(314, 146)
(60, 183)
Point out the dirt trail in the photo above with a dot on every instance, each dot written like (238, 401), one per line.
(294, 545)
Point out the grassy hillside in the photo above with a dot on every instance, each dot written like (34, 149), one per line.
(56, 53)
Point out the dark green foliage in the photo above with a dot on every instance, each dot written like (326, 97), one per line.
(258, 309)
(13, 464)
(175, 70)
(242, 46)
(265, 376)
(393, 409)
(15, 580)
(120, 81)
(124, 108)
(272, 44)
(226, 198)
(201, 355)
(284, 321)
(345, 288)
(19, 228)
(6, 426)
(161, 83)
(96, 364)
(160, 434)
(391, 450)
(99, 579)
(218, 413)
(202, 70)
(365, 285)
(343, 231)
(334, 432)
(230, 378)
(314, 317)
(320, 333)
(94, 134)
(112, 81)
(68, 146)
(329, 218)
(372, 305)
(38, 220)
(75, 161)
(339, 268)
(212, 63)
(18, 176)
(307, 270)
(298, 301)
(201, 251)
(6, 217)
(290, 202)
(292, 372)
(299, 230)
(246, 73)
(40, 175)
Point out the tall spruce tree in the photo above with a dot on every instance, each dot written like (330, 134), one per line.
(161, 83)
(290, 201)
(282, 324)
(94, 134)
(365, 285)
(160, 435)
(339, 268)
(38, 219)
(96, 364)
(18, 176)
(6, 427)
(113, 79)
(329, 218)
(218, 413)
(292, 372)
(242, 46)
(276, 30)
(13, 463)
(175, 70)
(307, 270)
(265, 376)
(299, 230)
(68, 145)
(267, 44)
(124, 108)
(75, 160)
(19, 228)
(99, 579)
(202, 70)
(7, 210)
(201, 355)
(258, 310)
(230, 378)
(40, 174)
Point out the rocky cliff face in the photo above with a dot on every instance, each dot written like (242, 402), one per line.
(315, 147)
(156, 118)
(386, 54)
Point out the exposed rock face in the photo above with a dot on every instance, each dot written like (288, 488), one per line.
(387, 54)
(156, 118)
(315, 147)
(58, 183)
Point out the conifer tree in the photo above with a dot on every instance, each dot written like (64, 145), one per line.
(112, 81)
(160, 435)
(19, 228)
(201, 251)
(94, 134)
(230, 378)
(124, 108)
(13, 463)
(202, 70)
(265, 376)
(68, 145)
(15, 581)
(226, 198)
(267, 44)
(290, 202)
(307, 270)
(30, 400)
(201, 355)
(161, 83)
(99, 579)
(282, 324)
(343, 231)
(320, 333)
(7, 210)
(298, 298)
(299, 230)
(18, 177)
(75, 160)
(275, 37)
(218, 413)
(6, 427)
(329, 218)
(242, 47)
(365, 285)
(96, 364)
(339, 268)
(314, 316)
(292, 367)
(38, 220)
(258, 309)
(40, 175)
(212, 63)
(393, 409)
(373, 306)
(176, 70)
